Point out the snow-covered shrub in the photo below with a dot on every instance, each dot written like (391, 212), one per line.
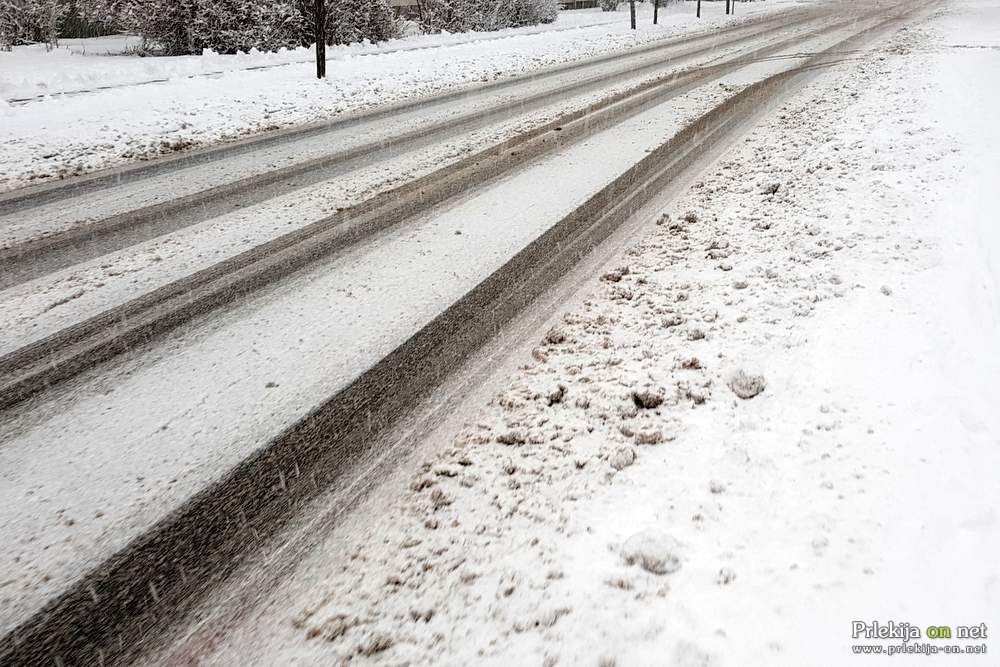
(610, 5)
(482, 15)
(409, 28)
(174, 27)
(27, 21)
(357, 20)
(532, 12)
(165, 25)
(78, 22)
(350, 21)
(227, 26)
(15, 27)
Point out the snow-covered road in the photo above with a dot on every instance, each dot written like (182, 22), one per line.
(383, 135)
(42, 306)
(288, 349)
(768, 414)
(846, 255)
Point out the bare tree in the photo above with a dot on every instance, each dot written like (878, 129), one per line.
(50, 17)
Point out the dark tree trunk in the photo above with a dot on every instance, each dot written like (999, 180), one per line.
(656, 11)
(698, 11)
(631, 9)
(320, 29)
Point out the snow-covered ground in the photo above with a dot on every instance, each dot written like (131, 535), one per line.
(139, 108)
(626, 499)
(35, 71)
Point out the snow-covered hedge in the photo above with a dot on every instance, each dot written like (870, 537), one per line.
(482, 15)
(26, 21)
(227, 26)
(349, 21)
(176, 27)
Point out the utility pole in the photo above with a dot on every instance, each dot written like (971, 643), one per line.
(320, 30)
(631, 8)
(656, 11)
(698, 13)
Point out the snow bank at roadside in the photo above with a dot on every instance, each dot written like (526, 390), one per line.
(58, 136)
(31, 71)
(627, 501)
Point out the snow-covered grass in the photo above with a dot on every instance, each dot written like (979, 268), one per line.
(32, 71)
(144, 107)
(578, 520)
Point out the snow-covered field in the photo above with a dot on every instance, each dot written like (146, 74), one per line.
(138, 108)
(766, 419)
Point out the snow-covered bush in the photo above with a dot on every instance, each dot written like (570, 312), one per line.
(26, 21)
(409, 28)
(482, 15)
(166, 26)
(609, 5)
(532, 12)
(227, 26)
(174, 27)
(78, 22)
(14, 26)
(350, 21)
